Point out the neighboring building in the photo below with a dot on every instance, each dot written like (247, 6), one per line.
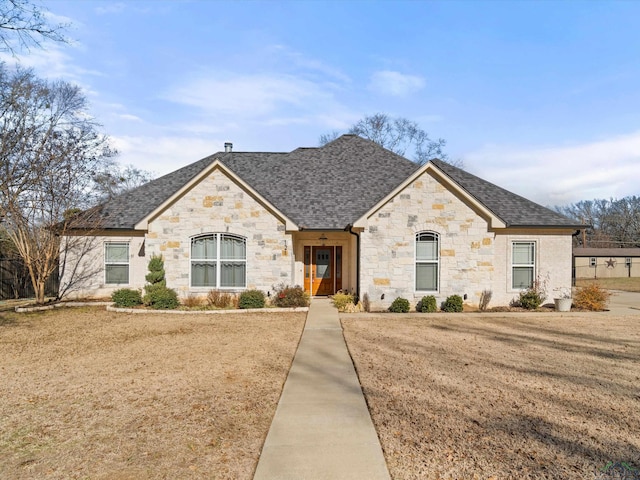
(606, 262)
(350, 215)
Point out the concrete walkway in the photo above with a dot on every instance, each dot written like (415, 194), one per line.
(322, 428)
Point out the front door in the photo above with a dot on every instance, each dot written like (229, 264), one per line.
(322, 269)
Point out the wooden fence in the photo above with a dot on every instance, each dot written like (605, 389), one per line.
(15, 282)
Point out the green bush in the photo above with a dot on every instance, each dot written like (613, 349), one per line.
(400, 305)
(286, 296)
(428, 304)
(453, 303)
(251, 299)
(342, 300)
(534, 296)
(126, 297)
(161, 297)
(156, 271)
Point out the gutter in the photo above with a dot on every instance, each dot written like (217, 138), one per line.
(349, 228)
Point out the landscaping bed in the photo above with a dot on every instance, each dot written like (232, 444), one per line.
(86, 393)
(501, 396)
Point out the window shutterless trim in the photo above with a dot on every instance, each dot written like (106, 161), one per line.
(435, 237)
(217, 260)
(115, 263)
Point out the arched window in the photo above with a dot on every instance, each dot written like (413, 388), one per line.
(427, 261)
(219, 260)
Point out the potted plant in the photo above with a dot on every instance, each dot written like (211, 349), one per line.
(563, 301)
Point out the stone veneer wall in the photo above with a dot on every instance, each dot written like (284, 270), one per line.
(219, 205)
(472, 258)
(467, 249)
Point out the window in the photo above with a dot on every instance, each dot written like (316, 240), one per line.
(427, 261)
(523, 265)
(116, 263)
(627, 262)
(593, 262)
(218, 261)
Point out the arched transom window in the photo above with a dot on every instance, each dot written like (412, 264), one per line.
(219, 260)
(427, 261)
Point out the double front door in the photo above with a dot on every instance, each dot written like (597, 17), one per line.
(322, 269)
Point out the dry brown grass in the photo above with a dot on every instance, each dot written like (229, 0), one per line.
(86, 393)
(626, 284)
(519, 397)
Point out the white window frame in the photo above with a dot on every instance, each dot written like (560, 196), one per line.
(593, 262)
(218, 261)
(532, 265)
(417, 261)
(127, 263)
(628, 262)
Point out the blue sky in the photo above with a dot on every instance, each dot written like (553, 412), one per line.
(542, 98)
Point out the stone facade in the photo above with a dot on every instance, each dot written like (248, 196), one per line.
(473, 257)
(217, 204)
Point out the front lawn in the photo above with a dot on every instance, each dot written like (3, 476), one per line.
(86, 393)
(511, 397)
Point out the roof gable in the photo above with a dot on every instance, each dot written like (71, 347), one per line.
(326, 188)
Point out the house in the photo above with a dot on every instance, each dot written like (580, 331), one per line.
(606, 262)
(350, 215)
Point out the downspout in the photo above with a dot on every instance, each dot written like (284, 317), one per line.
(349, 228)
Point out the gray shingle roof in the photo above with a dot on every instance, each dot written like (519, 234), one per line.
(327, 187)
(512, 209)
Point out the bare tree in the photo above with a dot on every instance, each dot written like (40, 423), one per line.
(400, 135)
(24, 25)
(50, 149)
(117, 179)
(614, 222)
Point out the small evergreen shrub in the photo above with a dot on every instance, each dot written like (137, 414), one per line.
(428, 304)
(251, 299)
(286, 297)
(400, 305)
(534, 296)
(161, 297)
(219, 299)
(126, 297)
(592, 297)
(453, 304)
(156, 271)
(342, 300)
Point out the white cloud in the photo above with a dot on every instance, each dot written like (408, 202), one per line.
(129, 117)
(287, 97)
(560, 175)
(162, 155)
(395, 83)
(117, 7)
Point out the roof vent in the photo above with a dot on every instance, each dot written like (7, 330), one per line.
(228, 147)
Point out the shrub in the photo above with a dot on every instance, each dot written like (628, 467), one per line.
(251, 299)
(156, 271)
(218, 299)
(534, 296)
(428, 304)
(161, 297)
(452, 304)
(286, 296)
(592, 297)
(366, 304)
(126, 297)
(485, 298)
(192, 301)
(400, 305)
(342, 301)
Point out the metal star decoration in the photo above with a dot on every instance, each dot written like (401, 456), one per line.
(610, 263)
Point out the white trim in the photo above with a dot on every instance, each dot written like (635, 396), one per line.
(533, 265)
(438, 263)
(493, 220)
(144, 223)
(127, 263)
(217, 261)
